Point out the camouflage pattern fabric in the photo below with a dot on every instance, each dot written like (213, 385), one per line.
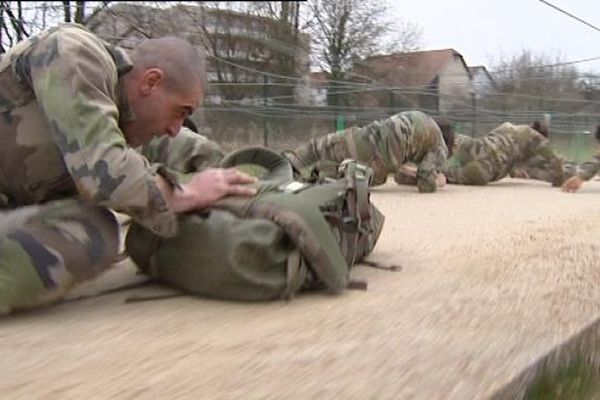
(529, 170)
(588, 169)
(46, 249)
(478, 161)
(384, 146)
(61, 102)
(187, 152)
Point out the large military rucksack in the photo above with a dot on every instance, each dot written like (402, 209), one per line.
(292, 236)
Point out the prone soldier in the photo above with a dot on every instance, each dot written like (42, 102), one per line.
(478, 161)
(73, 109)
(385, 146)
(515, 150)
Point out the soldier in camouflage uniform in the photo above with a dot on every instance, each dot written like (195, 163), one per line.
(384, 146)
(515, 150)
(478, 161)
(72, 106)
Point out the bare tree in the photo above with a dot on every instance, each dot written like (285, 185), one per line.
(76, 14)
(19, 20)
(590, 87)
(535, 82)
(253, 48)
(344, 31)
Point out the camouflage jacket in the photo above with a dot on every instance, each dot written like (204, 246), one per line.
(61, 102)
(410, 136)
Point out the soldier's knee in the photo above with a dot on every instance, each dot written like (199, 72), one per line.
(380, 176)
(85, 235)
(57, 246)
(29, 276)
(473, 174)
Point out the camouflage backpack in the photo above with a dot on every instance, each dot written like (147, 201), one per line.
(291, 236)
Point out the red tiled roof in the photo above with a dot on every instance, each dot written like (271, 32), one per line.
(417, 68)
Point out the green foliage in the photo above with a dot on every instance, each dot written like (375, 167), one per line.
(576, 380)
(574, 147)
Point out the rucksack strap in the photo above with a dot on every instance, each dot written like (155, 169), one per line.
(303, 222)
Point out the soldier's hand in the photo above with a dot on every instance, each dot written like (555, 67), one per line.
(440, 180)
(572, 184)
(408, 170)
(210, 185)
(520, 173)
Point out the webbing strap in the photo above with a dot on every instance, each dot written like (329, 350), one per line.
(349, 137)
(358, 178)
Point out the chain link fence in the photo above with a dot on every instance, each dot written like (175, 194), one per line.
(287, 126)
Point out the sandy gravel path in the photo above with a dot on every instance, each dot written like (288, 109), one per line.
(493, 280)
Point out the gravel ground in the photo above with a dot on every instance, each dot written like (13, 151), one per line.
(493, 280)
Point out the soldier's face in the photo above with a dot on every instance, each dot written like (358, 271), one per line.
(159, 112)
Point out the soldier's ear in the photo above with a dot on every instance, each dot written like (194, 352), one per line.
(151, 79)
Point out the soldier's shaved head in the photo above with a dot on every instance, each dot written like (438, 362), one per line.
(182, 64)
(164, 87)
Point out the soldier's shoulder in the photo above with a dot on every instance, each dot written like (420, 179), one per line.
(70, 28)
(77, 33)
(506, 129)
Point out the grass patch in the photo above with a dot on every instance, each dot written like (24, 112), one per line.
(576, 380)
(578, 148)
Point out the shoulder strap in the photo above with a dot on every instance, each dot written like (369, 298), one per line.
(304, 224)
(299, 216)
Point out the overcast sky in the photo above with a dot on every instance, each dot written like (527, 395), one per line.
(484, 30)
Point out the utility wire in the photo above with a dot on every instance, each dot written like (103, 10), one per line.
(570, 15)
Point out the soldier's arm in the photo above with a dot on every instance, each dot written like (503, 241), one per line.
(187, 152)
(519, 171)
(590, 168)
(585, 172)
(406, 175)
(429, 168)
(545, 162)
(74, 79)
(205, 188)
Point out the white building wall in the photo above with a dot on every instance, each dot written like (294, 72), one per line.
(454, 87)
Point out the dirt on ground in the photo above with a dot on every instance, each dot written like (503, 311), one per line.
(493, 280)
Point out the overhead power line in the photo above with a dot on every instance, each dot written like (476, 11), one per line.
(570, 15)
(558, 64)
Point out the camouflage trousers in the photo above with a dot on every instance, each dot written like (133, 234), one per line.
(336, 147)
(47, 249)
